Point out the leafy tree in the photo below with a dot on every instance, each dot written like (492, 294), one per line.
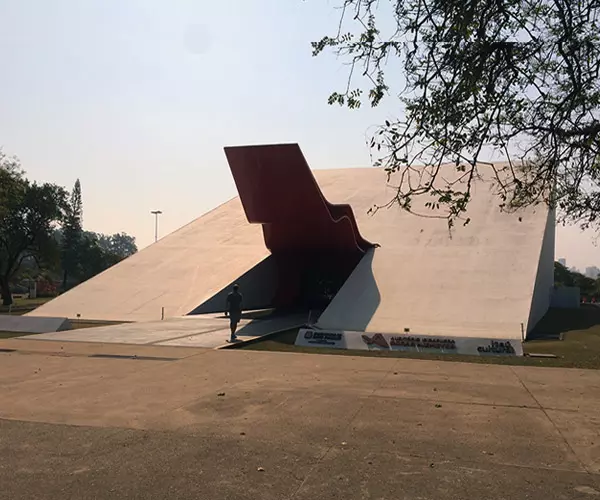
(512, 79)
(120, 244)
(98, 252)
(585, 284)
(11, 177)
(72, 235)
(94, 259)
(28, 215)
(562, 275)
(565, 277)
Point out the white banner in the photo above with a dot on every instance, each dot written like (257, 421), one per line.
(408, 342)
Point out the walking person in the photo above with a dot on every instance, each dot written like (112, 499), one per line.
(233, 308)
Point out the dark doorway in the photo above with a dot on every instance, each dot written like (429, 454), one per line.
(300, 281)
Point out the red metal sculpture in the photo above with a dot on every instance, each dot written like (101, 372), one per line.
(279, 191)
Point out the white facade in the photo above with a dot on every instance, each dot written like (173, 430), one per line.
(488, 280)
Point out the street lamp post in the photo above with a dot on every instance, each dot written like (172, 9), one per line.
(156, 213)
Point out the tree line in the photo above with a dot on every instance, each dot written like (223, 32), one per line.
(42, 235)
(588, 287)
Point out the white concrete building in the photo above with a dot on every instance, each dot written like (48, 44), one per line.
(490, 279)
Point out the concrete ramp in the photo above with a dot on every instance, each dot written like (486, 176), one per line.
(26, 324)
(178, 273)
(191, 331)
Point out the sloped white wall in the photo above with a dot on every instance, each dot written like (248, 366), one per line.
(544, 282)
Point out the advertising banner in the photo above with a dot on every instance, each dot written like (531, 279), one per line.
(408, 342)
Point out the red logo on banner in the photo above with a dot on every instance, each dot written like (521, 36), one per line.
(377, 339)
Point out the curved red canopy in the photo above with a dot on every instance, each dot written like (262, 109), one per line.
(279, 191)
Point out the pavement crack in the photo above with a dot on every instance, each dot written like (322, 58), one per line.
(474, 403)
(189, 334)
(348, 425)
(568, 445)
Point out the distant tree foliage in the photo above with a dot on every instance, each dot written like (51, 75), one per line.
(72, 234)
(11, 176)
(42, 236)
(94, 259)
(519, 78)
(29, 213)
(589, 288)
(120, 244)
(99, 252)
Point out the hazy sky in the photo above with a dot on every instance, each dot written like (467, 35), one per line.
(138, 97)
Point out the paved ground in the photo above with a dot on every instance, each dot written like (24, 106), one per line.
(190, 423)
(192, 331)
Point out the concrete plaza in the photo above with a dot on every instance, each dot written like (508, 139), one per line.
(81, 420)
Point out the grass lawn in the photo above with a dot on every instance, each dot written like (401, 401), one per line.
(580, 347)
